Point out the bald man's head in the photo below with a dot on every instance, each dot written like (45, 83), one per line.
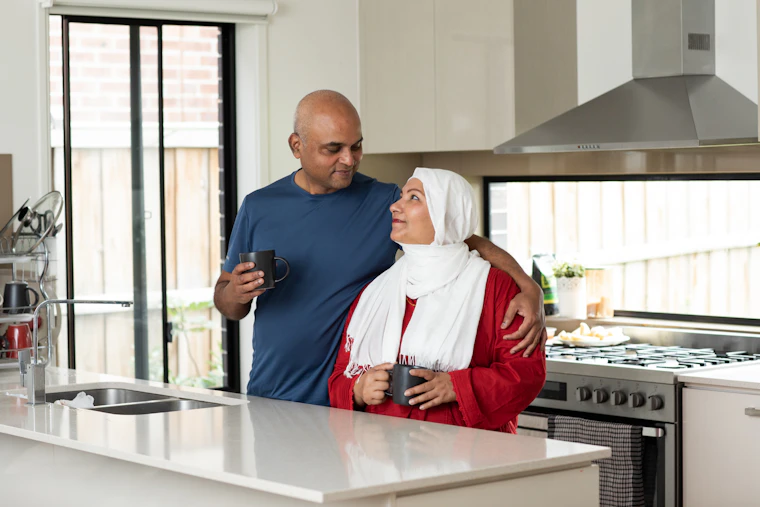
(320, 103)
(327, 139)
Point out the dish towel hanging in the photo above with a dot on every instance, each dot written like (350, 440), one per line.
(621, 481)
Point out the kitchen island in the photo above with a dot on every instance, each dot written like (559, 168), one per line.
(255, 451)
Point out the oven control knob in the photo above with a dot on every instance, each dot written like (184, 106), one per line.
(582, 393)
(618, 397)
(636, 400)
(655, 402)
(600, 396)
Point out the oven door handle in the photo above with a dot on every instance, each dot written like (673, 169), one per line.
(540, 422)
(752, 411)
(653, 432)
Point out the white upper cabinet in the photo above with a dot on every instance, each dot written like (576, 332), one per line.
(436, 75)
(397, 76)
(474, 74)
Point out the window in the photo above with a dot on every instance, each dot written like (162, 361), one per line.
(686, 246)
(142, 139)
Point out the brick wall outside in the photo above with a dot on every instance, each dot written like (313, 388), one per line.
(100, 74)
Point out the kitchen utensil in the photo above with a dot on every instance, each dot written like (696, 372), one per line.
(19, 337)
(16, 296)
(266, 261)
(7, 231)
(39, 220)
(401, 380)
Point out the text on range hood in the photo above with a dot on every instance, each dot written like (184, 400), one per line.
(674, 101)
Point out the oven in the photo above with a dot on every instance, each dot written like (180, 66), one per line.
(651, 406)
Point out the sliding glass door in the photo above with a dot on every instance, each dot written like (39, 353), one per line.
(145, 154)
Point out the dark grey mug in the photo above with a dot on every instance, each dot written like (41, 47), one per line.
(265, 261)
(16, 295)
(401, 380)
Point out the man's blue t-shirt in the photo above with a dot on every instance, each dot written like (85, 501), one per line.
(335, 244)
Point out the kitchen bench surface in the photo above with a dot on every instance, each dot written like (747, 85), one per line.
(743, 376)
(306, 452)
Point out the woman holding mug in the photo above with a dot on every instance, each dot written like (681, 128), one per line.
(439, 307)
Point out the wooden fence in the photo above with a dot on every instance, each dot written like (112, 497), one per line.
(103, 244)
(677, 246)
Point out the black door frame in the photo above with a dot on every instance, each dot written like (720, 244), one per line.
(227, 181)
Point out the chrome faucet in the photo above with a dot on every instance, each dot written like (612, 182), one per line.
(33, 373)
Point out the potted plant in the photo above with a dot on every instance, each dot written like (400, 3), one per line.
(571, 289)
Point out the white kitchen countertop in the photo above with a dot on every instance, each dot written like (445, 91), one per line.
(743, 376)
(292, 449)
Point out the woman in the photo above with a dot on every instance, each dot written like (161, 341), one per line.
(439, 307)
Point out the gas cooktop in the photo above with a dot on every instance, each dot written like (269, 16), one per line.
(655, 363)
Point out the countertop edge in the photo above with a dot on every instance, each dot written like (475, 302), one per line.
(140, 459)
(718, 382)
(726, 377)
(462, 479)
(458, 479)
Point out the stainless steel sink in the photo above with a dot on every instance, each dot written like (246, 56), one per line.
(155, 407)
(110, 396)
(127, 399)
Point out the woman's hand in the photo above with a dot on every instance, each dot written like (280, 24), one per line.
(371, 386)
(437, 390)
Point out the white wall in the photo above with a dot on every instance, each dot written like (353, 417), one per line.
(313, 44)
(604, 46)
(736, 44)
(23, 92)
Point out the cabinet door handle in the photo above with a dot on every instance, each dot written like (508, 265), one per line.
(752, 411)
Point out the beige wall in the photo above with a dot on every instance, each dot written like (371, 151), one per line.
(394, 168)
(6, 188)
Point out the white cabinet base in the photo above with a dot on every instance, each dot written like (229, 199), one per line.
(48, 474)
(569, 488)
(721, 448)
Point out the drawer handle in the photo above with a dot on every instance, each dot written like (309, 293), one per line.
(752, 412)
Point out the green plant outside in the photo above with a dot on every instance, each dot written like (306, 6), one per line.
(184, 323)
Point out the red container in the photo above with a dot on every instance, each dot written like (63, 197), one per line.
(19, 337)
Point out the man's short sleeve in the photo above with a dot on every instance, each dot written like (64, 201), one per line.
(240, 239)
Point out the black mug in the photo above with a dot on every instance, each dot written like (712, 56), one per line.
(16, 295)
(401, 380)
(265, 261)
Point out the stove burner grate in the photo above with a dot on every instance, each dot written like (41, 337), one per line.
(649, 356)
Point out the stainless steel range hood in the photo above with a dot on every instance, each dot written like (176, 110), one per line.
(674, 101)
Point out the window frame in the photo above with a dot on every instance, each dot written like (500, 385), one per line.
(660, 316)
(228, 181)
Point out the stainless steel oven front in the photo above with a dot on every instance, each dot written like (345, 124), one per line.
(653, 407)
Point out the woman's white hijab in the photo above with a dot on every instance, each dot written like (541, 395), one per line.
(447, 280)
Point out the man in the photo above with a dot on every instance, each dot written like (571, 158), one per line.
(333, 226)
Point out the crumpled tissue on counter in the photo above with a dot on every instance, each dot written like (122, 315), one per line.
(83, 400)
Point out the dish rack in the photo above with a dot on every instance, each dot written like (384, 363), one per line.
(29, 258)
